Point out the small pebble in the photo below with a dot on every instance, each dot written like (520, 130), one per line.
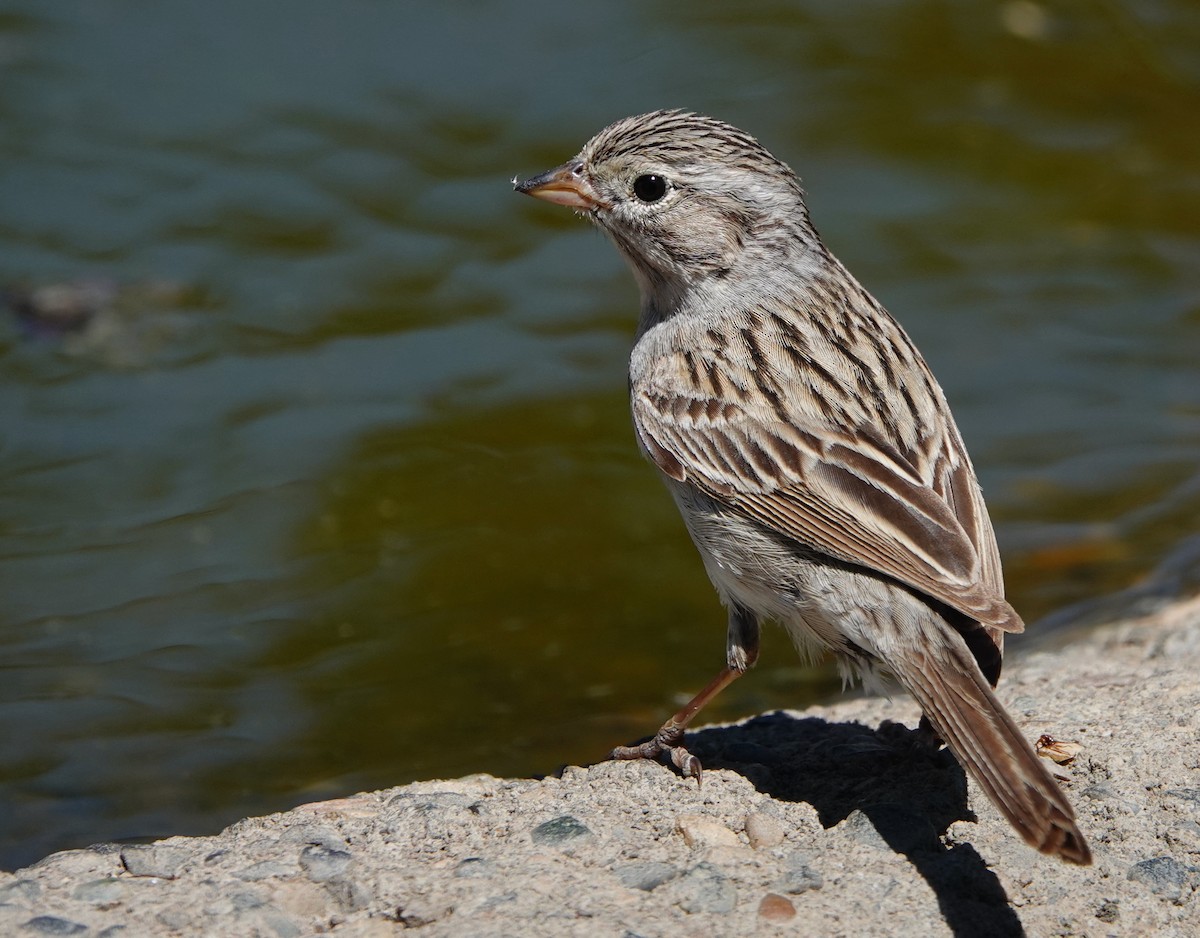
(431, 800)
(244, 901)
(559, 831)
(645, 875)
(798, 876)
(704, 888)
(776, 908)
(155, 860)
(52, 925)
(763, 830)
(1165, 876)
(323, 863)
(320, 835)
(99, 891)
(700, 831)
(475, 868)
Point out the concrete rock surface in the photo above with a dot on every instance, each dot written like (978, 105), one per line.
(822, 822)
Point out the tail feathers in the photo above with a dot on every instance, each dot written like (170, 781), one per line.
(952, 692)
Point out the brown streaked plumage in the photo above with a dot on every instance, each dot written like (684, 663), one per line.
(809, 448)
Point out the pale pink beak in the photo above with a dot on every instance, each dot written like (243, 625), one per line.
(566, 185)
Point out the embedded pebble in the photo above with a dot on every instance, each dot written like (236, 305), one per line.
(1165, 876)
(701, 831)
(763, 830)
(163, 861)
(798, 876)
(432, 800)
(99, 891)
(704, 888)
(52, 925)
(776, 908)
(645, 875)
(475, 868)
(323, 863)
(559, 831)
(319, 835)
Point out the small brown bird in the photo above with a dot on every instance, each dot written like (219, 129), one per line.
(807, 445)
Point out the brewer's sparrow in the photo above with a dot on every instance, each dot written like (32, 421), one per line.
(809, 448)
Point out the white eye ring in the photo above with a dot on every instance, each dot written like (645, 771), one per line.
(650, 188)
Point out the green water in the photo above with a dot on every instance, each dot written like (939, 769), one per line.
(341, 491)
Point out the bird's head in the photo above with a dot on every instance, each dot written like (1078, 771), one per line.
(684, 197)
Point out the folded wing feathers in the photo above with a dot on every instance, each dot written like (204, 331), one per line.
(855, 502)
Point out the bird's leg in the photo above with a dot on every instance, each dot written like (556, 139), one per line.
(741, 653)
(924, 740)
(927, 737)
(670, 734)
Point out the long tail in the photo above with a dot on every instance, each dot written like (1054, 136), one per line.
(954, 695)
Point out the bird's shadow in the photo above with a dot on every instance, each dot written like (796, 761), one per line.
(909, 793)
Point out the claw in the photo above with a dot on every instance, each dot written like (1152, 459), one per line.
(666, 740)
(688, 764)
(670, 735)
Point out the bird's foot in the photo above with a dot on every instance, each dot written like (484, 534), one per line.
(667, 740)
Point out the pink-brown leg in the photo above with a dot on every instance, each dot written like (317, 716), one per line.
(742, 651)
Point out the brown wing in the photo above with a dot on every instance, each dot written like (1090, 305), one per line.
(849, 495)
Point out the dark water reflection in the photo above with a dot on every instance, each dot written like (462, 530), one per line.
(341, 492)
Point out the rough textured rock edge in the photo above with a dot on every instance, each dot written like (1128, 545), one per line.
(825, 821)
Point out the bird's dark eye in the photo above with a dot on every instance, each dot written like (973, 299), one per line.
(649, 188)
